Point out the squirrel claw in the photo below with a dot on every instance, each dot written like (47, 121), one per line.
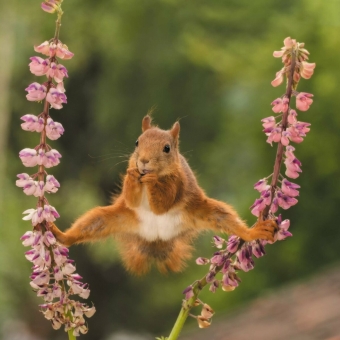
(264, 230)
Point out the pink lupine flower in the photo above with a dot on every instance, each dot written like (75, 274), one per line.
(289, 188)
(274, 206)
(244, 259)
(39, 192)
(268, 122)
(292, 117)
(285, 201)
(274, 136)
(32, 123)
(28, 238)
(277, 105)
(295, 135)
(49, 238)
(51, 158)
(217, 259)
(43, 48)
(289, 153)
(35, 215)
(38, 66)
(261, 185)
(56, 98)
(30, 187)
(49, 213)
(258, 248)
(293, 168)
(52, 184)
(41, 156)
(23, 180)
(303, 101)
(202, 261)
(285, 102)
(218, 241)
(229, 281)
(63, 52)
(282, 232)
(266, 195)
(279, 79)
(53, 129)
(60, 87)
(58, 72)
(233, 243)
(36, 92)
(307, 69)
(258, 206)
(285, 137)
(28, 157)
(278, 54)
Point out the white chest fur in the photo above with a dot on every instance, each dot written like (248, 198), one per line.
(152, 226)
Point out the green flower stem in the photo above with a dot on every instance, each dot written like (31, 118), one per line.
(70, 335)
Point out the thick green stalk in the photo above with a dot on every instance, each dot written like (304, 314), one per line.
(176, 330)
(70, 335)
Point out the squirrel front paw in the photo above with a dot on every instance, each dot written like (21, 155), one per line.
(263, 230)
(149, 178)
(134, 173)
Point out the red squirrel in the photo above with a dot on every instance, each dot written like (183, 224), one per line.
(160, 210)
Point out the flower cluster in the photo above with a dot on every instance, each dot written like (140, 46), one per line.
(52, 267)
(53, 277)
(285, 129)
(235, 254)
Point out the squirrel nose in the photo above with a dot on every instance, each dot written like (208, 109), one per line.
(144, 161)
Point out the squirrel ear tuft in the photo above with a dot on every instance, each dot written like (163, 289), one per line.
(146, 123)
(175, 130)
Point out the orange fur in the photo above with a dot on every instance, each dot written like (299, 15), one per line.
(161, 209)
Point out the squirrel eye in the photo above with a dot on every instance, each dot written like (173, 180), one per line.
(166, 148)
(136, 142)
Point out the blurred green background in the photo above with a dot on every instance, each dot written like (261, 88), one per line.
(208, 63)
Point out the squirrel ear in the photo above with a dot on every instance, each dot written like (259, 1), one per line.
(175, 130)
(146, 123)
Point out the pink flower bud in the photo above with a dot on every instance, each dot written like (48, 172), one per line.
(28, 157)
(36, 92)
(38, 66)
(233, 243)
(307, 69)
(56, 98)
(278, 80)
(303, 101)
(289, 42)
(23, 180)
(278, 54)
(49, 6)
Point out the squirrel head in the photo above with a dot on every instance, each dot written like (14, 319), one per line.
(156, 149)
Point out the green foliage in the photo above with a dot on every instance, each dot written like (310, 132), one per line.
(210, 64)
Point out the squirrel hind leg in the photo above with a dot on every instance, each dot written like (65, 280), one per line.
(176, 258)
